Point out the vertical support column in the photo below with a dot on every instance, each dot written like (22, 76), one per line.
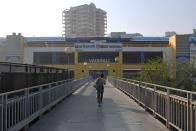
(50, 93)
(27, 109)
(168, 109)
(27, 102)
(26, 68)
(5, 99)
(10, 67)
(191, 112)
(76, 72)
(139, 92)
(68, 66)
(142, 57)
(120, 63)
(40, 100)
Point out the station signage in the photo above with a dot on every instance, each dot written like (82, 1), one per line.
(99, 60)
(98, 46)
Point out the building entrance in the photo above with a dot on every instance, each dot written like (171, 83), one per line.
(94, 73)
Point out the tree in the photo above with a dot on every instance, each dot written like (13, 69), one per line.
(156, 71)
(186, 73)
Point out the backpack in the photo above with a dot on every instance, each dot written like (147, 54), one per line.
(99, 84)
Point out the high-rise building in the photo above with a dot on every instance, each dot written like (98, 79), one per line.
(84, 21)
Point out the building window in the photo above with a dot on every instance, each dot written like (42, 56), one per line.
(152, 55)
(130, 74)
(131, 58)
(42, 58)
(58, 58)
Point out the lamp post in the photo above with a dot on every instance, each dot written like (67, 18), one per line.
(68, 52)
(85, 64)
(108, 66)
(90, 67)
(116, 60)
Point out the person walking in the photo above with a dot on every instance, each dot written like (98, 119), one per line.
(99, 85)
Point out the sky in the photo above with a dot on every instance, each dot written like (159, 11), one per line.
(148, 17)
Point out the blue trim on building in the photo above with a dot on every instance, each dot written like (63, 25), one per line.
(142, 57)
(54, 58)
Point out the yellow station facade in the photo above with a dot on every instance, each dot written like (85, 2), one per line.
(119, 57)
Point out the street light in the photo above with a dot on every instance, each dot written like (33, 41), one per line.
(90, 67)
(85, 64)
(108, 66)
(68, 52)
(117, 61)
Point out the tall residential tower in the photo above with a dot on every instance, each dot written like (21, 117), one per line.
(84, 21)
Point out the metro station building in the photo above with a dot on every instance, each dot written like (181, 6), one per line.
(119, 57)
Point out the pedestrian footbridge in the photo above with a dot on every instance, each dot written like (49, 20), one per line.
(71, 106)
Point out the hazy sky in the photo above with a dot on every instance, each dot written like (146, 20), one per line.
(149, 17)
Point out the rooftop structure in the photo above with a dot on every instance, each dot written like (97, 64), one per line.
(194, 32)
(170, 33)
(124, 35)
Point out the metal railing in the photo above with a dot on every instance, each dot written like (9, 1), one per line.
(14, 76)
(176, 108)
(18, 67)
(19, 108)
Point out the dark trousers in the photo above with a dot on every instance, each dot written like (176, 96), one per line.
(99, 96)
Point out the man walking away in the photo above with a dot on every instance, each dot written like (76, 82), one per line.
(99, 85)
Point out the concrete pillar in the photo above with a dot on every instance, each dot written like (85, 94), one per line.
(120, 64)
(76, 71)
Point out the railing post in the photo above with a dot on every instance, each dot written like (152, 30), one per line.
(139, 93)
(10, 69)
(40, 98)
(168, 109)
(71, 84)
(115, 82)
(155, 101)
(189, 112)
(26, 68)
(27, 108)
(145, 97)
(1, 119)
(50, 93)
(5, 99)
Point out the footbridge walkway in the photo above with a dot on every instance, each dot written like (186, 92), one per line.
(128, 105)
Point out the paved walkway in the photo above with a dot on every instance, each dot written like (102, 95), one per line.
(80, 113)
